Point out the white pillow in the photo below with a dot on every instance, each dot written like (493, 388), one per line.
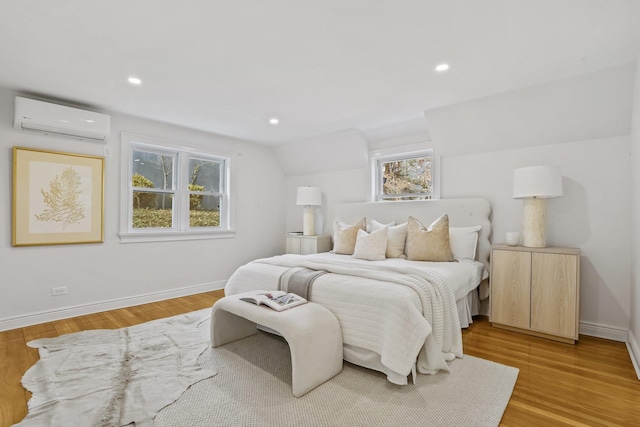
(373, 246)
(463, 241)
(396, 238)
(373, 225)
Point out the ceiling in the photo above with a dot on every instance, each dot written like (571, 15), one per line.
(320, 66)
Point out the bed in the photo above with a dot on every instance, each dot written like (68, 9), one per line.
(398, 316)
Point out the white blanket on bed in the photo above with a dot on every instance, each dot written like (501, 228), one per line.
(403, 316)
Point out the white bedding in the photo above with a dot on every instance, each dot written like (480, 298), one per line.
(399, 317)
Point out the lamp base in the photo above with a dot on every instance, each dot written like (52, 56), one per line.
(309, 221)
(533, 229)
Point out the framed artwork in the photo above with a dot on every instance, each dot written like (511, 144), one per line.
(58, 198)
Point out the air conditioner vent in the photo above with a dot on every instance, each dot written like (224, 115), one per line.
(60, 120)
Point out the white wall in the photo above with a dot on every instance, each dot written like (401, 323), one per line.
(335, 151)
(478, 157)
(634, 334)
(575, 124)
(591, 106)
(593, 215)
(111, 274)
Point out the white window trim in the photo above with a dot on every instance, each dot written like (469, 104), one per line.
(155, 235)
(413, 150)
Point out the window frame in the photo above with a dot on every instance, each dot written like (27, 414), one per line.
(173, 191)
(223, 193)
(180, 230)
(378, 157)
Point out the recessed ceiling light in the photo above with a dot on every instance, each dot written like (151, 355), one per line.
(442, 67)
(89, 121)
(134, 80)
(274, 121)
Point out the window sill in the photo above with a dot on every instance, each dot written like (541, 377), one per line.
(173, 236)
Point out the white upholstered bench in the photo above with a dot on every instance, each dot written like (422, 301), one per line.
(312, 332)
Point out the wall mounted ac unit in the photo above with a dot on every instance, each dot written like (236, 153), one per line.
(60, 120)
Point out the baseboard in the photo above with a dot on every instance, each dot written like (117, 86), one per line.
(80, 310)
(606, 332)
(634, 352)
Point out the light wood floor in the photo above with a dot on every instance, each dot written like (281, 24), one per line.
(592, 383)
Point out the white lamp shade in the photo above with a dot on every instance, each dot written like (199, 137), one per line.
(542, 182)
(309, 196)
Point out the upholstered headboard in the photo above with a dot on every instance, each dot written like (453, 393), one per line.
(462, 213)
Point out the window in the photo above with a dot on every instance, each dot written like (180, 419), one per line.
(173, 192)
(403, 175)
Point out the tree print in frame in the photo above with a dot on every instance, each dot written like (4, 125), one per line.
(58, 198)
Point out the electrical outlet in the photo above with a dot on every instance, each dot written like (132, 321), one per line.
(62, 290)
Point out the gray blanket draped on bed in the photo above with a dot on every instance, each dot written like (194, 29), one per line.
(298, 280)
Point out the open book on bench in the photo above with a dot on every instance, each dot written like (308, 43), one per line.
(277, 300)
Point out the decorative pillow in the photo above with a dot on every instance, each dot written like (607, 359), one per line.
(373, 246)
(373, 225)
(344, 236)
(463, 241)
(428, 244)
(396, 238)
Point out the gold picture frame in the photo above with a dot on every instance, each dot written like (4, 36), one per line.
(58, 198)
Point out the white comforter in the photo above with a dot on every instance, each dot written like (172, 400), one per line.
(402, 310)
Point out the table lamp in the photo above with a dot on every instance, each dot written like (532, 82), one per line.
(309, 197)
(534, 185)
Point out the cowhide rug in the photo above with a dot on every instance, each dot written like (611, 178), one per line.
(116, 377)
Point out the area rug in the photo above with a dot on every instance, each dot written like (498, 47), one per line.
(248, 383)
(116, 377)
(253, 388)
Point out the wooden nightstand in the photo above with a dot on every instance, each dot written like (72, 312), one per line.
(305, 245)
(536, 291)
